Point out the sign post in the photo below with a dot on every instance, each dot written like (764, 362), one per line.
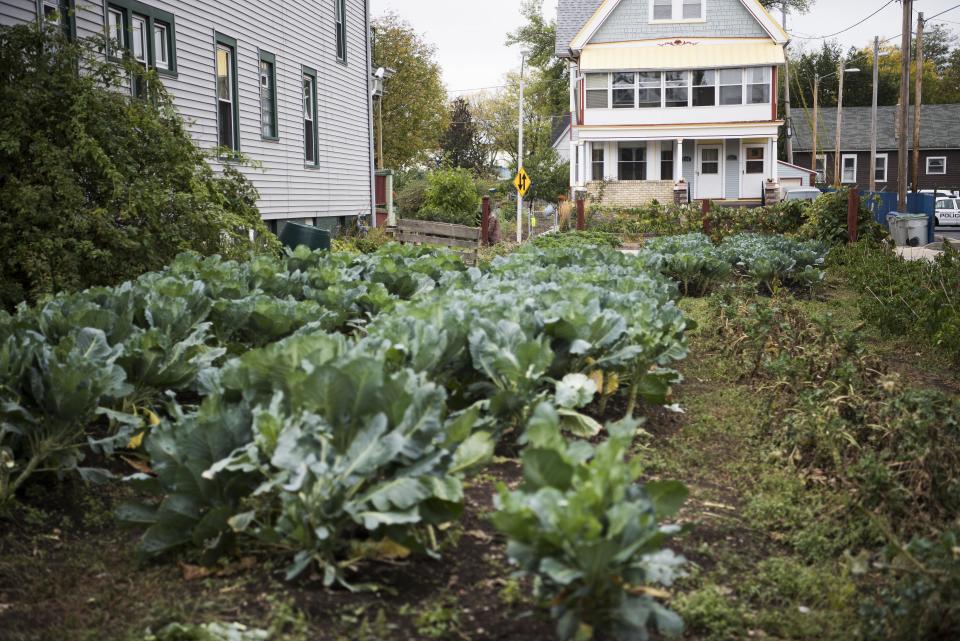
(522, 183)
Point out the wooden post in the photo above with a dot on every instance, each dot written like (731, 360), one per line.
(903, 173)
(853, 214)
(816, 118)
(581, 213)
(918, 105)
(837, 165)
(707, 223)
(485, 222)
(873, 117)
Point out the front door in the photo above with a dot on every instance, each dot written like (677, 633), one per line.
(754, 171)
(709, 172)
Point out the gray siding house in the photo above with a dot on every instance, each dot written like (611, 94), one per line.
(284, 82)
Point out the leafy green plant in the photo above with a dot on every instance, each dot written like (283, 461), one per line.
(95, 187)
(590, 534)
(576, 239)
(450, 197)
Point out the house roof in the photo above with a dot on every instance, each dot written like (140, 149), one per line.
(560, 128)
(578, 20)
(939, 128)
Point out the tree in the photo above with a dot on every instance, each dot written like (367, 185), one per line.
(938, 42)
(463, 145)
(550, 83)
(97, 187)
(793, 6)
(414, 102)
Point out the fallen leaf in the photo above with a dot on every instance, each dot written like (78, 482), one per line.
(194, 572)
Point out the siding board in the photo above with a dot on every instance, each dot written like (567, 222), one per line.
(300, 33)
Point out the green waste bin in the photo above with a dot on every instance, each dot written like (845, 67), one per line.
(295, 234)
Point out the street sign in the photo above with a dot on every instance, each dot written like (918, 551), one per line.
(522, 182)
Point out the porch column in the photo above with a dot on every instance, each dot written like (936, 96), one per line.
(678, 161)
(774, 165)
(573, 164)
(581, 165)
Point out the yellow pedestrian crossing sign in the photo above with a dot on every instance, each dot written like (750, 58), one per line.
(522, 182)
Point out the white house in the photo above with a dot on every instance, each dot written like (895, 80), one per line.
(285, 82)
(672, 99)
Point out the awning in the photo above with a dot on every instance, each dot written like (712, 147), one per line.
(680, 55)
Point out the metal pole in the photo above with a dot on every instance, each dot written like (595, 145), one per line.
(837, 168)
(523, 60)
(873, 115)
(816, 118)
(918, 104)
(904, 160)
(786, 98)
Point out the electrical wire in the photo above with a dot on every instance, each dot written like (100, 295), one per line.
(854, 26)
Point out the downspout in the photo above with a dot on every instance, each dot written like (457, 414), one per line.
(367, 74)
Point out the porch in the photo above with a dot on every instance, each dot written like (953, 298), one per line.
(632, 173)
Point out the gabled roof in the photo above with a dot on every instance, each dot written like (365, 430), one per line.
(579, 20)
(939, 129)
(560, 128)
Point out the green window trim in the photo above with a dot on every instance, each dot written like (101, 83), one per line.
(68, 16)
(154, 17)
(340, 28)
(221, 40)
(271, 59)
(307, 72)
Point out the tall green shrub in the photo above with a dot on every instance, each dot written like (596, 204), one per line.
(451, 197)
(96, 186)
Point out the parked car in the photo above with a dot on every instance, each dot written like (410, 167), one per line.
(948, 211)
(949, 193)
(800, 193)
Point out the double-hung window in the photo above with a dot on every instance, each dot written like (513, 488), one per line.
(340, 20)
(677, 89)
(633, 162)
(651, 90)
(666, 163)
(598, 91)
(821, 168)
(228, 126)
(624, 90)
(704, 88)
(758, 85)
(848, 169)
(731, 86)
(310, 137)
(268, 96)
(58, 13)
(597, 160)
(937, 166)
(880, 174)
(148, 35)
(677, 10)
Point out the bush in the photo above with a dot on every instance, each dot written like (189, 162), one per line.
(827, 221)
(451, 197)
(411, 197)
(95, 187)
(577, 239)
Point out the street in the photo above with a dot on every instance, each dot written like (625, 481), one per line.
(952, 232)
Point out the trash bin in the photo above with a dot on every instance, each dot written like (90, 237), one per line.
(917, 229)
(295, 234)
(898, 229)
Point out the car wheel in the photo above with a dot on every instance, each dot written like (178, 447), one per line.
(936, 222)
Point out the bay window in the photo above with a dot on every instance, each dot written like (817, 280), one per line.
(598, 91)
(704, 88)
(624, 91)
(633, 161)
(677, 93)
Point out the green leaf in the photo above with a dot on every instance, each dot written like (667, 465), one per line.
(579, 425)
(667, 496)
(546, 468)
(474, 452)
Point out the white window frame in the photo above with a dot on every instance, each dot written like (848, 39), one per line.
(943, 159)
(161, 50)
(607, 90)
(676, 13)
(843, 169)
(137, 19)
(821, 173)
(886, 167)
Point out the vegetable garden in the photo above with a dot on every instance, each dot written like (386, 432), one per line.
(326, 416)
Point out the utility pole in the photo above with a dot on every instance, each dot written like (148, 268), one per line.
(904, 160)
(786, 99)
(873, 115)
(816, 122)
(836, 156)
(918, 92)
(523, 60)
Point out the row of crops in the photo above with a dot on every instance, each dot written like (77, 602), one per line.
(325, 405)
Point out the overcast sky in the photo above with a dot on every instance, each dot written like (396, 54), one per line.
(470, 34)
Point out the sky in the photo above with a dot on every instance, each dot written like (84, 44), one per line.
(470, 34)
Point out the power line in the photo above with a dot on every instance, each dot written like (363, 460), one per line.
(853, 26)
(941, 13)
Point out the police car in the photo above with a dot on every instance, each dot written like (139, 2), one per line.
(948, 211)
